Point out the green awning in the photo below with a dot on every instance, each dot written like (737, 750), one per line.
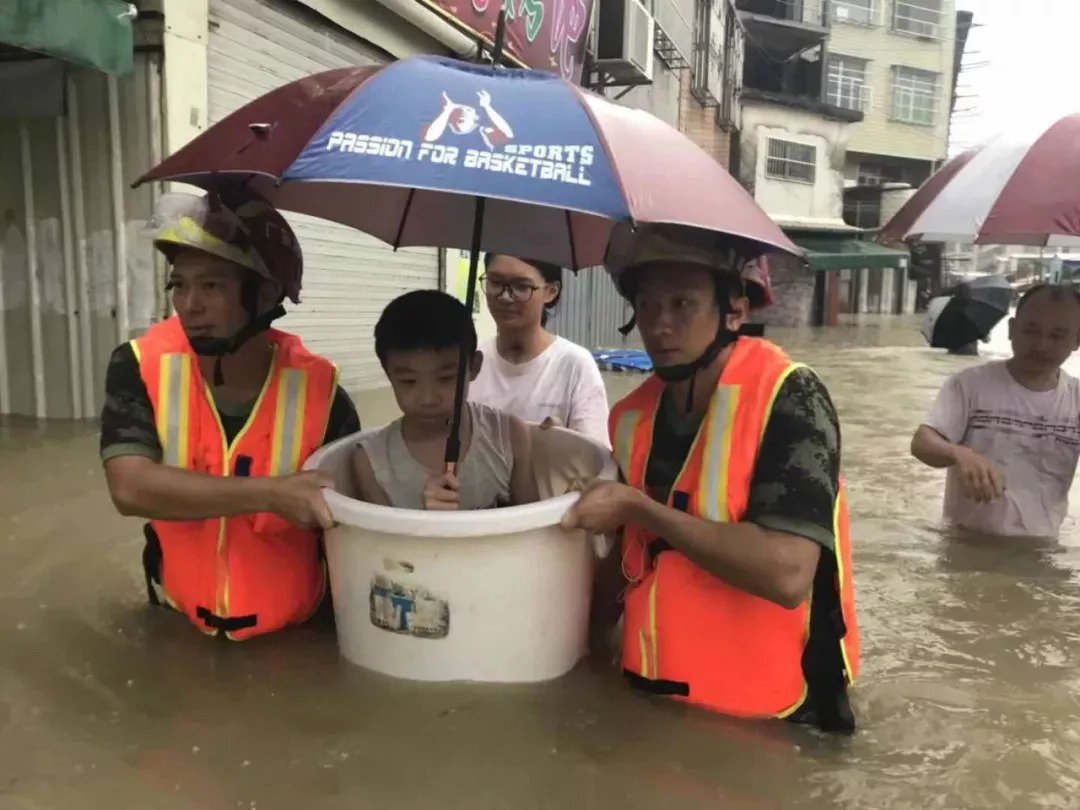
(93, 33)
(840, 253)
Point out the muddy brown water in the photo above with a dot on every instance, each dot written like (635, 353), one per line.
(969, 696)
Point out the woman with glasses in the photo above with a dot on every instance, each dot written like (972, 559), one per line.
(528, 371)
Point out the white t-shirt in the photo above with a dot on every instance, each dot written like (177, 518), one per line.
(562, 381)
(1033, 437)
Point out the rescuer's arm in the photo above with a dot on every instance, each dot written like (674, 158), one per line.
(144, 488)
(773, 553)
(140, 485)
(775, 566)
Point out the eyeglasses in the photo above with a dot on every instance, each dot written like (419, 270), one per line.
(519, 289)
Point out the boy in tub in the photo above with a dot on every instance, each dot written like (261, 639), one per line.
(418, 340)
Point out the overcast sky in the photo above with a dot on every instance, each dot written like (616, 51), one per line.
(1032, 49)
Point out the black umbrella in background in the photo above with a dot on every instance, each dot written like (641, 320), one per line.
(969, 314)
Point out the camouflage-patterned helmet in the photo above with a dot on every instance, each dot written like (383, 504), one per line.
(660, 245)
(239, 227)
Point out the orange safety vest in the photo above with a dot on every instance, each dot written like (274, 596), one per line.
(250, 574)
(690, 635)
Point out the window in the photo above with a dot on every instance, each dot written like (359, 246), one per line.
(859, 12)
(846, 83)
(919, 17)
(791, 161)
(863, 213)
(914, 96)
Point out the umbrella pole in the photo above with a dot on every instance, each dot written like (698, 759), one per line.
(453, 441)
(500, 37)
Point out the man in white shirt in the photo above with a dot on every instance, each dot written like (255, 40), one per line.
(1009, 431)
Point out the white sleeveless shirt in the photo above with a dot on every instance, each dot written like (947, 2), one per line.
(483, 472)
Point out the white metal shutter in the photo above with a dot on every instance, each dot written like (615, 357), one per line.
(349, 277)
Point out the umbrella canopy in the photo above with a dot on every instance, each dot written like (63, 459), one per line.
(1017, 189)
(393, 150)
(970, 314)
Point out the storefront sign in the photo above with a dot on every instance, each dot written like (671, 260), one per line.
(541, 34)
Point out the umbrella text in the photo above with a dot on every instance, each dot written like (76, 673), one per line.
(560, 163)
(370, 145)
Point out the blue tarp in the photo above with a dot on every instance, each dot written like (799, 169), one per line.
(623, 360)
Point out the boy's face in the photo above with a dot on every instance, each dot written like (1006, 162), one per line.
(424, 380)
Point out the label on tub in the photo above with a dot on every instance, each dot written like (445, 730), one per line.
(408, 609)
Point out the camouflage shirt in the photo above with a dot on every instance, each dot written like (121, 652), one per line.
(795, 481)
(127, 418)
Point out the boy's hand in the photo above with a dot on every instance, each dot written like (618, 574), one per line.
(441, 492)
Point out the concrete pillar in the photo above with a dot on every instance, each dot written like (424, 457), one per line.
(832, 299)
(888, 286)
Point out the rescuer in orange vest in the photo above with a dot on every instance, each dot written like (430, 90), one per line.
(734, 523)
(209, 416)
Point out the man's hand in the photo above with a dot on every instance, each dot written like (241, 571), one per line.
(604, 507)
(981, 478)
(299, 499)
(441, 492)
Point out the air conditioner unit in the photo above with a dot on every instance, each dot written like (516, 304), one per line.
(624, 47)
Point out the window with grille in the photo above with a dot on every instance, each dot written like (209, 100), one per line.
(846, 83)
(914, 96)
(859, 12)
(788, 160)
(919, 17)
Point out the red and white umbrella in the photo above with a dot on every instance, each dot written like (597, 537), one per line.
(1021, 188)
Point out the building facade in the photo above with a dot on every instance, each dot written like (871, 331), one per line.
(682, 61)
(894, 61)
(795, 150)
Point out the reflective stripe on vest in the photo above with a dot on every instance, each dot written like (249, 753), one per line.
(281, 570)
(745, 658)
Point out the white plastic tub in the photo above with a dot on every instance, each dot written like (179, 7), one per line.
(497, 595)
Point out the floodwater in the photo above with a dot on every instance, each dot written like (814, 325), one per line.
(969, 697)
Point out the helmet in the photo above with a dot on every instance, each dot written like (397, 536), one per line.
(239, 227)
(658, 243)
(673, 244)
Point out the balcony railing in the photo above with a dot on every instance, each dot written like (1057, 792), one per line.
(674, 37)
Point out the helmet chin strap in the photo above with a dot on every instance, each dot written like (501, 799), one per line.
(688, 371)
(220, 347)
